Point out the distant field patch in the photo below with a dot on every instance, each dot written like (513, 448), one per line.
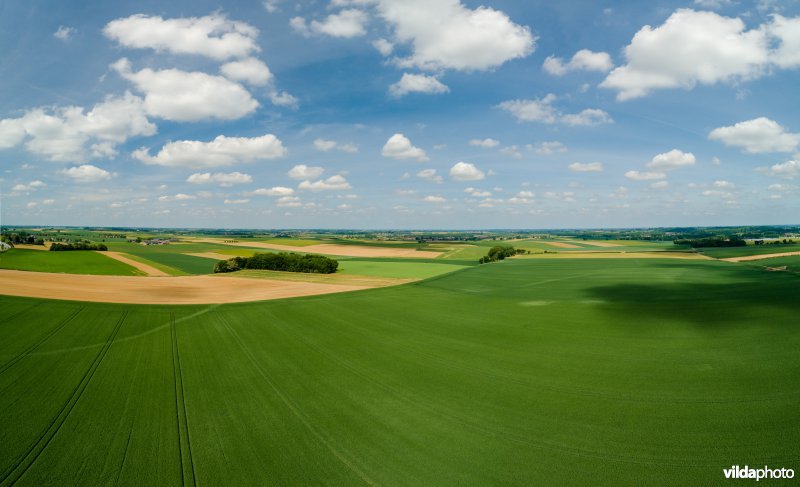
(347, 250)
(728, 252)
(293, 242)
(75, 262)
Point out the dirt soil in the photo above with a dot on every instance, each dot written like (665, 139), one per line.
(333, 249)
(147, 269)
(158, 290)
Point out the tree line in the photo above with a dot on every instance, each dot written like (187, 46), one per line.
(283, 261)
(732, 241)
(500, 252)
(85, 245)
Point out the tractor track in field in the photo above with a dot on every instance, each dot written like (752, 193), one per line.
(14, 472)
(188, 476)
(294, 409)
(36, 345)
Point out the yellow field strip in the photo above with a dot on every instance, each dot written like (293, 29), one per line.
(122, 257)
(747, 258)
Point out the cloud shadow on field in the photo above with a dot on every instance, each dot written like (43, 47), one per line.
(709, 305)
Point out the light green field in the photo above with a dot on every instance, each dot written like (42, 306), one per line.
(524, 372)
(792, 263)
(71, 262)
(294, 242)
(413, 270)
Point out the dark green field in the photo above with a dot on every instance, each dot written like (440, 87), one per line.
(630, 372)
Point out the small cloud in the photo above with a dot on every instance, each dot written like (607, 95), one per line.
(86, 173)
(485, 143)
(673, 159)
(466, 171)
(324, 145)
(644, 175)
(223, 179)
(434, 199)
(383, 46)
(64, 33)
(274, 191)
(333, 183)
(586, 167)
(417, 83)
(399, 147)
(583, 60)
(430, 175)
(237, 202)
(302, 172)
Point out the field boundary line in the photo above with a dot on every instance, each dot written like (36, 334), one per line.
(294, 409)
(180, 410)
(15, 472)
(36, 345)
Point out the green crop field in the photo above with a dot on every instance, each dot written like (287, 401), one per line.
(791, 262)
(627, 372)
(71, 262)
(415, 270)
(172, 258)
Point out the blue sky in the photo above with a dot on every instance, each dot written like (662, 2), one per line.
(400, 114)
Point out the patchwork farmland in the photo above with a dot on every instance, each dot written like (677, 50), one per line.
(532, 370)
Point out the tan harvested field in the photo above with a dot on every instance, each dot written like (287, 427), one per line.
(616, 255)
(46, 246)
(562, 245)
(331, 249)
(147, 269)
(161, 290)
(598, 244)
(746, 258)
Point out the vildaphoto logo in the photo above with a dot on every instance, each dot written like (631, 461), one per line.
(737, 472)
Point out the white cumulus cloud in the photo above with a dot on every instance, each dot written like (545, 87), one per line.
(399, 147)
(446, 34)
(417, 83)
(223, 179)
(274, 191)
(466, 171)
(214, 36)
(346, 23)
(757, 136)
(690, 47)
(251, 71)
(222, 151)
(674, 159)
(304, 172)
(184, 96)
(333, 183)
(583, 60)
(86, 173)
